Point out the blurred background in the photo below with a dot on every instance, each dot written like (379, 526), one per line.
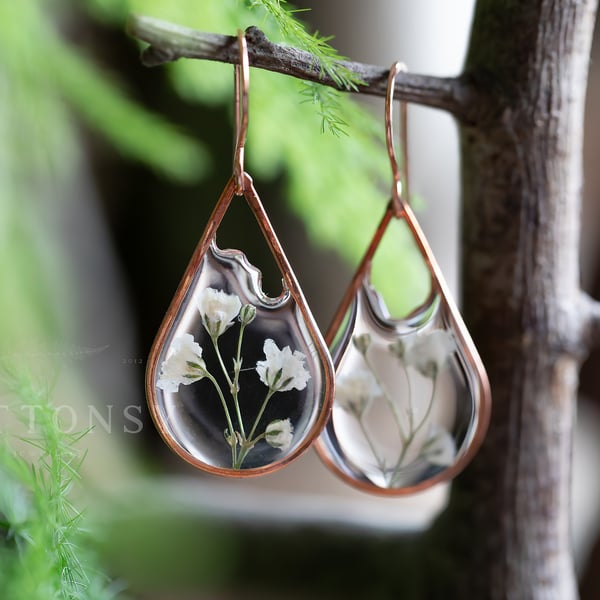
(108, 173)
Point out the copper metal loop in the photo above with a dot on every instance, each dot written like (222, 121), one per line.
(242, 82)
(400, 189)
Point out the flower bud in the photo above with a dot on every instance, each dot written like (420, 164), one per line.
(230, 438)
(362, 342)
(398, 348)
(247, 314)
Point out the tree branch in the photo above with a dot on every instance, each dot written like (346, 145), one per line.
(591, 313)
(169, 42)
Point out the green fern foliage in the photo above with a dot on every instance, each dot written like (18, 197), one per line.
(295, 32)
(43, 548)
(44, 66)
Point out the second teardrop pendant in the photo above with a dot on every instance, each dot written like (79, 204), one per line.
(412, 398)
(238, 383)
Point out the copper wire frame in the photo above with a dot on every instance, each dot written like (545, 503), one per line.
(242, 84)
(240, 184)
(398, 207)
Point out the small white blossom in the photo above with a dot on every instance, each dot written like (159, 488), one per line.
(355, 391)
(428, 352)
(282, 370)
(184, 364)
(440, 448)
(218, 310)
(279, 434)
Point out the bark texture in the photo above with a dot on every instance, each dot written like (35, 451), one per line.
(522, 180)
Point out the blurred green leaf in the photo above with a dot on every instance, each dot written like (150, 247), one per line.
(43, 548)
(134, 132)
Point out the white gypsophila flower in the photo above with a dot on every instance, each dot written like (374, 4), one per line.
(440, 447)
(428, 352)
(184, 364)
(218, 310)
(282, 370)
(355, 391)
(279, 434)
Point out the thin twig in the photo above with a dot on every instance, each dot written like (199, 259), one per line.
(169, 42)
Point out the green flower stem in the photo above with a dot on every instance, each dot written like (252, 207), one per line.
(411, 416)
(428, 411)
(413, 434)
(246, 450)
(261, 411)
(363, 427)
(389, 400)
(251, 442)
(233, 385)
(218, 352)
(236, 377)
(227, 415)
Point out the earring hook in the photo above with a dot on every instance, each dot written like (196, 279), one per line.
(400, 190)
(242, 82)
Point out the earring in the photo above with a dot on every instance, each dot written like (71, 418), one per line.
(238, 383)
(412, 399)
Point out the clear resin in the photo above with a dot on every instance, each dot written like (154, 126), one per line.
(412, 399)
(408, 396)
(239, 383)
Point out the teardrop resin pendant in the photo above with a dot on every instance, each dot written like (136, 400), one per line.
(238, 383)
(412, 398)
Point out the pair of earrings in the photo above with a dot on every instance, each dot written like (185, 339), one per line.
(239, 384)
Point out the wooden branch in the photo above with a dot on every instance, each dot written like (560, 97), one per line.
(169, 42)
